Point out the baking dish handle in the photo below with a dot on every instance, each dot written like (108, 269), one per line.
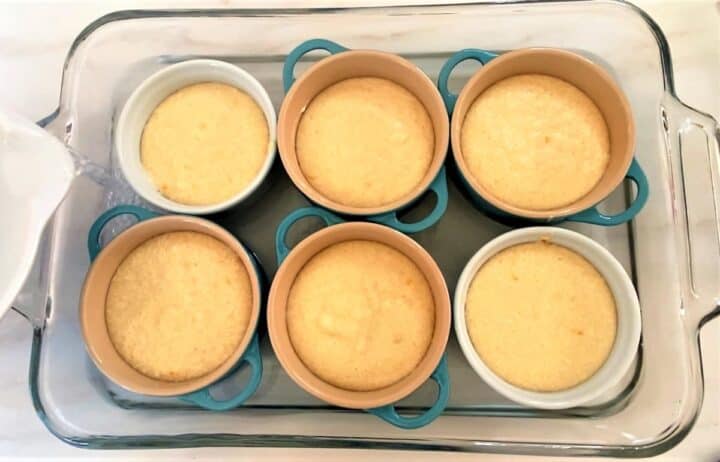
(281, 248)
(439, 188)
(93, 242)
(698, 227)
(300, 51)
(482, 56)
(595, 217)
(441, 377)
(204, 399)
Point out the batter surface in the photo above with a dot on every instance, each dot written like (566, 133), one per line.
(204, 143)
(365, 142)
(178, 305)
(535, 142)
(541, 316)
(360, 315)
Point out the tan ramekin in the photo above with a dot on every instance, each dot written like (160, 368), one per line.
(97, 282)
(341, 66)
(277, 322)
(577, 70)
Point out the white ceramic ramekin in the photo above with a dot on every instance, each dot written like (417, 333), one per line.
(151, 92)
(627, 337)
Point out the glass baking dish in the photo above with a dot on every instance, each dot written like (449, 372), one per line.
(670, 249)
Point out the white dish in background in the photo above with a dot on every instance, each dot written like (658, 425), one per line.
(624, 351)
(151, 92)
(35, 174)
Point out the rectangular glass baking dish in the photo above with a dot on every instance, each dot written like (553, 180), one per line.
(670, 249)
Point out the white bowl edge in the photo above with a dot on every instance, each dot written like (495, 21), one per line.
(151, 92)
(627, 338)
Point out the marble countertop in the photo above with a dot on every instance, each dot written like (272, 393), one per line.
(34, 40)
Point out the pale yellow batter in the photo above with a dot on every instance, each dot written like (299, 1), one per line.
(360, 315)
(541, 316)
(204, 143)
(535, 142)
(178, 305)
(365, 142)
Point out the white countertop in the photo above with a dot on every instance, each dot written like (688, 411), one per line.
(34, 39)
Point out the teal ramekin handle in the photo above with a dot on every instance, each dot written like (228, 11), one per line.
(439, 187)
(203, 398)
(390, 415)
(593, 216)
(93, 242)
(300, 51)
(281, 248)
(481, 56)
